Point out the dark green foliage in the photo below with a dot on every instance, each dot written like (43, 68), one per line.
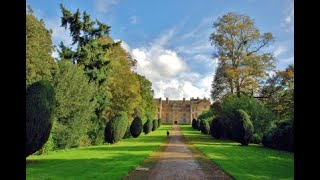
(243, 128)
(77, 124)
(260, 116)
(40, 105)
(159, 122)
(136, 127)
(116, 128)
(281, 137)
(205, 127)
(198, 124)
(154, 124)
(206, 115)
(217, 129)
(256, 139)
(40, 64)
(194, 124)
(147, 127)
(128, 133)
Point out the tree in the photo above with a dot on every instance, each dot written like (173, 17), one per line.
(219, 83)
(242, 64)
(243, 128)
(154, 124)
(40, 64)
(278, 93)
(40, 105)
(116, 128)
(75, 112)
(147, 127)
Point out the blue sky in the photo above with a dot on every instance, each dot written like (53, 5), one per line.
(169, 38)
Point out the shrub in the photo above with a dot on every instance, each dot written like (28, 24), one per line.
(205, 129)
(40, 104)
(194, 124)
(154, 124)
(280, 137)
(199, 124)
(217, 128)
(136, 127)
(260, 116)
(116, 128)
(128, 133)
(243, 128)
(256, 139)
(159, 122)
(147, 127)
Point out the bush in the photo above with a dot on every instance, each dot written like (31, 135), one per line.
(128, 133)
(205, 127)
(147, 127)
(154, 124)
(40, 104)
(199, 124)
(159, 122)
(280, 137)
(48, 146)
(243, 128)
(256, 139)
(194, 124)
(217, 128)
(116, 128)
(260, 116)
(136, 127)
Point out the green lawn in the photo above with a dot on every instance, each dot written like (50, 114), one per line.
(251, 162)
(96, 162)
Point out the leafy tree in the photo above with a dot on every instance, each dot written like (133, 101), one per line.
(217, 128)
(278, 93)
(40, 105)
(242, 63)
(40, 64)
(75, 112)
(243, 128)
(205, 127)
(136, 127)
(116, 128)
(209, 114)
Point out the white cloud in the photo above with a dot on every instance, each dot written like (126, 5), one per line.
(104, 6)
(168, 71)
(58, 33)
(288, 21)
(281, 49)
(124, 45)
(133, 19)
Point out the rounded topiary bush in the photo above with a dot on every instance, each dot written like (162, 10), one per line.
(199, 124)
(243, 129)
(159, 122)
(40, 104)
(205, 127)
(194, 124)
(147, 127)
(116, 128)
(136, 127)
(154, 124)
(217, 128)
(128, 133)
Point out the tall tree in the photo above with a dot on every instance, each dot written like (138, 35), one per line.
(238, 46)
(278, 93)
(40, 64)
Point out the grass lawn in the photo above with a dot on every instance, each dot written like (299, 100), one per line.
(96, 162)
(251, 162)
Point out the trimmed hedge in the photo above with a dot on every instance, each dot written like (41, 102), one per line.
(194, 124)
(217, 128)
(205, 127)
(154, 124)
(280, 137)
(40, 104)
(147, 127)
(256, 139)
(116, 128)
(243, 129)
(136, 127)
(128, 133)
(199, 124)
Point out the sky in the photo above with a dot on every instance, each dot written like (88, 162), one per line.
(170, 38)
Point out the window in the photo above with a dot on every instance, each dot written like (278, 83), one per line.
(184, 114)
(184, 119)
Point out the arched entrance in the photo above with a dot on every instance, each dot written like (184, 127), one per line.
(175, 122)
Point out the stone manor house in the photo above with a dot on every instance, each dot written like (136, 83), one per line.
(180, 111)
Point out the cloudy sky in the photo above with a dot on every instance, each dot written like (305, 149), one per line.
(170, 38)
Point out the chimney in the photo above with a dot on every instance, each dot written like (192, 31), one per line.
(184, 100)
(167, 99)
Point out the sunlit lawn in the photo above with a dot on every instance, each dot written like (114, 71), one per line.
(251, 162)
(96, 162)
